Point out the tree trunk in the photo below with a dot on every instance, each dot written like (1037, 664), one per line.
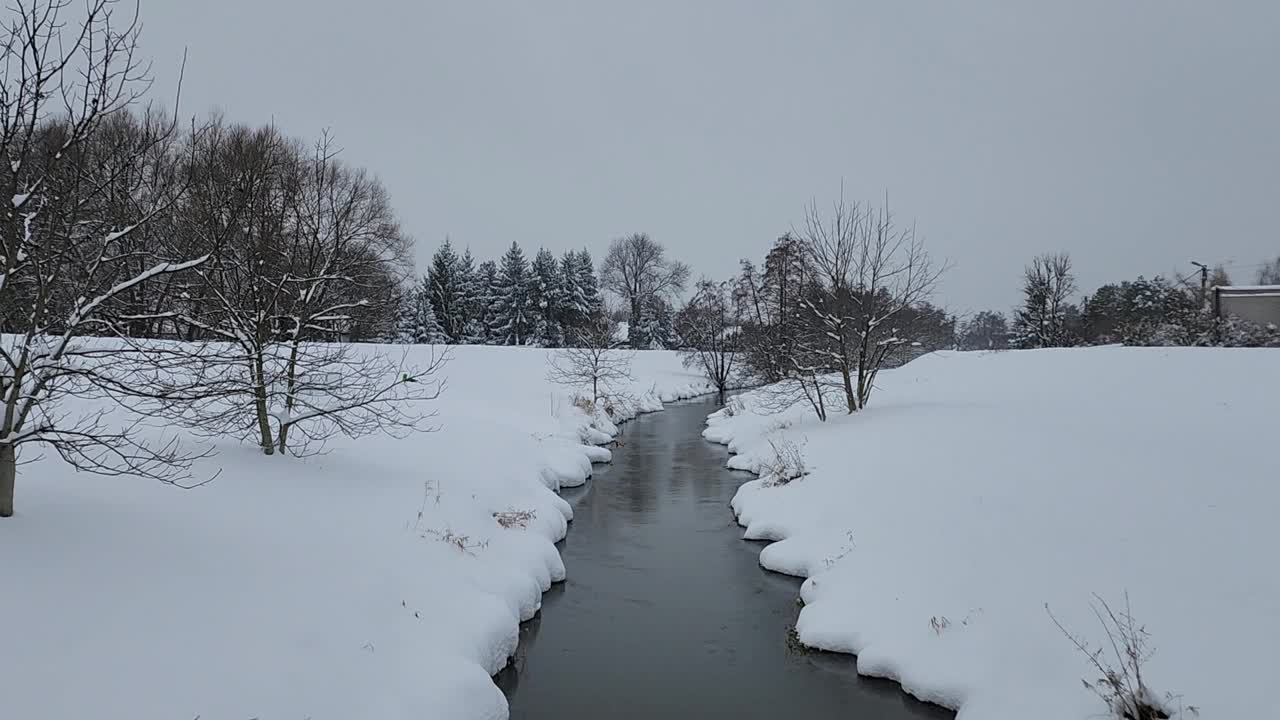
(289, 402)
(634, 322)
(260, 404)
(849, 398)
(8, 472)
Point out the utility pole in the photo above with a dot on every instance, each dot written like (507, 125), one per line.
(1204, 281)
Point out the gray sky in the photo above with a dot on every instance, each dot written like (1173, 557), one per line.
(1136, 135)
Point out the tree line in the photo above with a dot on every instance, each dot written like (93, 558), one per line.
(547, 302)
(1143, 311)
(513, 301)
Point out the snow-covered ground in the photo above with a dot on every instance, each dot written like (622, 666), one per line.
(935, 526)
(291, 589)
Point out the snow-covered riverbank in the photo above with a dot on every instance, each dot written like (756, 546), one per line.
(371, 582)
(935, 526)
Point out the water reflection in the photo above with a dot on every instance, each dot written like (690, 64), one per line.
(667, 613)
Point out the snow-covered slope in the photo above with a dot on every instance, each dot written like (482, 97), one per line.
(305, 588)
(936, 525)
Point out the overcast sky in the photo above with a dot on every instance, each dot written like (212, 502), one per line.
(1137, 135)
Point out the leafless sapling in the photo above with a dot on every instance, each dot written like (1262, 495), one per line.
(594, 361)
(709, 332)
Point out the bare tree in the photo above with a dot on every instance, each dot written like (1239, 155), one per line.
(638, 271)
(1048, 285)
(79, 196)
(593, 360)
(872, 277)
(1268, 274)
(306, 243)
(709, 332)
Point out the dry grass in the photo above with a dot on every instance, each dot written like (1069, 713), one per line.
(585, 404)
(786, 463)
(1120, 683)
(463, 543)
(512, 519)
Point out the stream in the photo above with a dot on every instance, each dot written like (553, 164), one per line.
(666, 611)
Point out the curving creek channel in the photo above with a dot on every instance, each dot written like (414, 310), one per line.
(666, 611)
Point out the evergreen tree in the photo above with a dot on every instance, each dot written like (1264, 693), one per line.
(573, 295)
(514, 313)
(484, 285)
(655, 328)
(547, 295)
(471, 289)
(581, 303)
(445, 291)
(406, 320)
(417, 323)
(593, 303)
(663, 335)
(1141, 312)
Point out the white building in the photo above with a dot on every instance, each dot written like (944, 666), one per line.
(1256, 303)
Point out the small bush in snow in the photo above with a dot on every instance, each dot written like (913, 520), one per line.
(786, 464)
(1121, 685)
(511, 519)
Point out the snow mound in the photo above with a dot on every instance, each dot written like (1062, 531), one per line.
(936, 525)
(375, 581)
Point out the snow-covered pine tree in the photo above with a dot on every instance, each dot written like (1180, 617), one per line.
(581, 304)
(593, 302)
(417, 323)
(471, 301)
(444, 291)
(573, 307)
(663, 334)
(655, 329)
(405, 322)
(427, 327)
(484, 284)
(514, 314)
(547, 296)
(641, 330)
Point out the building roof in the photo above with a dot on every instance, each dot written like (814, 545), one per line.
(1261, 290)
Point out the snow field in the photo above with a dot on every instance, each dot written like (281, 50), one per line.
(370, 582)
(935, 526)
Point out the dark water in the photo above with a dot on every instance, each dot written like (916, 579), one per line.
(667, 612)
